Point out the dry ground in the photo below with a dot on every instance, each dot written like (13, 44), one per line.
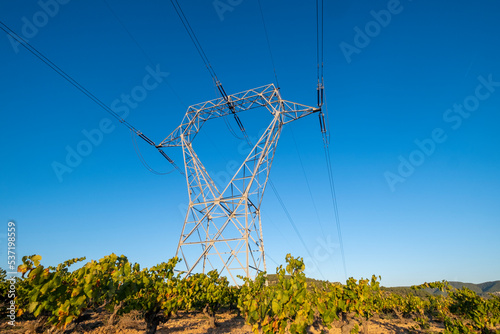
(195, 323)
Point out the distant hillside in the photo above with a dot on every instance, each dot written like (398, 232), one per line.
(482, 289)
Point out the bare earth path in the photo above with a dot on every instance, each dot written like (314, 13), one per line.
(195, 323)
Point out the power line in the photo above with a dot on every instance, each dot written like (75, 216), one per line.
(270, 181)
(228, 125)
(319, 50)
(204, 57)
(325, 125)
(277, 83)
(268, 43)
(296, 148)
(110, 9)
(141, 158)
(194, 39)
(148, 58)
(319, 38)
(144, 53)
(77, 85)
(307, 181)
(289, 217)
(335, 207)
(333, 195)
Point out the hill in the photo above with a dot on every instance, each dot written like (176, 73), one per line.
(482, 289)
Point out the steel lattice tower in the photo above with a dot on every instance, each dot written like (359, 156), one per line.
(225, 224)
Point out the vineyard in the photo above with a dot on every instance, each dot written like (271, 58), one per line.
(57, 299)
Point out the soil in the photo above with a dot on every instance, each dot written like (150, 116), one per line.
(195, 323)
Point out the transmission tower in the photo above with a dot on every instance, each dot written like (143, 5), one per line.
(224, 226)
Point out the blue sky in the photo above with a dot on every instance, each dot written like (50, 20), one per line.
(413, 94)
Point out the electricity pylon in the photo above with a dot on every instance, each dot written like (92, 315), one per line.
(226, 225)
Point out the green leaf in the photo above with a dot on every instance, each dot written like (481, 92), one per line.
(36, 259)
(38, 310)
(69, 319)
(32, 306)
(275, 307)
(44, 288)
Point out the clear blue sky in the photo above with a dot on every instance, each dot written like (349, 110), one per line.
(408, 214)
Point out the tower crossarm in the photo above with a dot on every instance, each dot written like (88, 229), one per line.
(196, 115)
(292, 111)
